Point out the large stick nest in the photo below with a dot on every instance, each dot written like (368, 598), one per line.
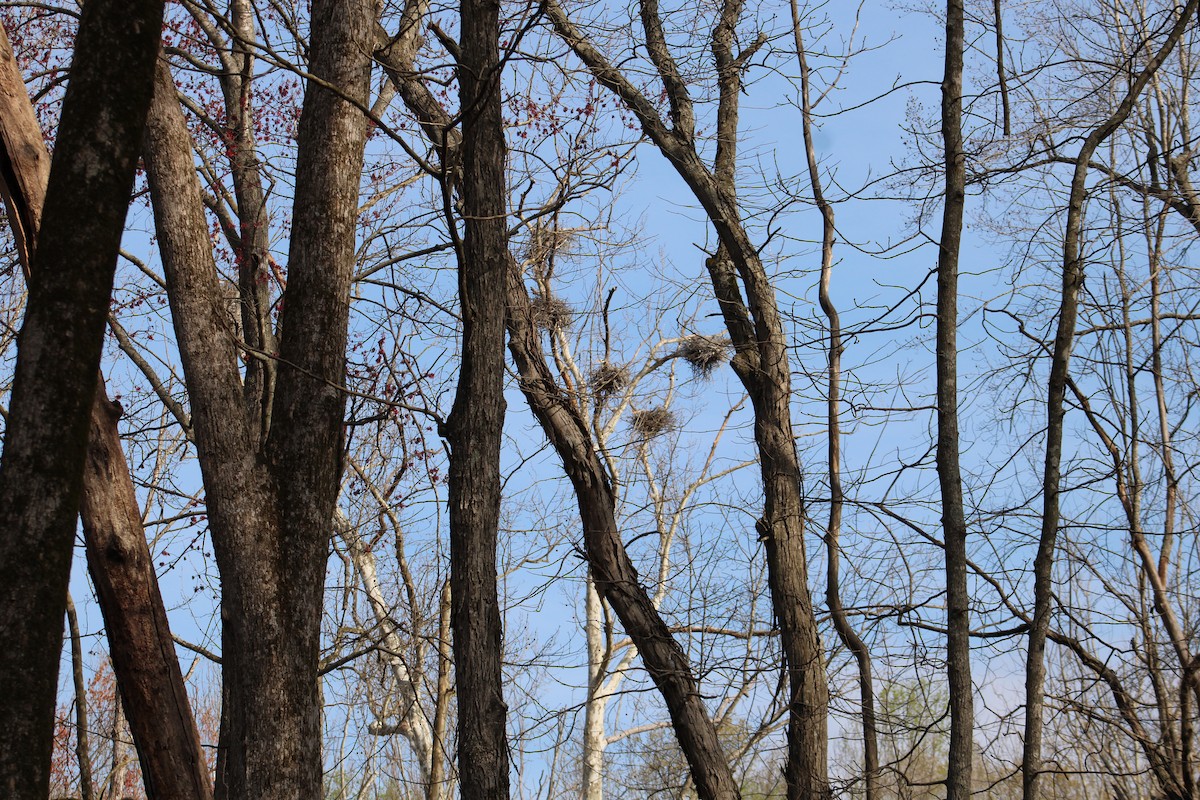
(653, 422)
(544, 243)
(704, 353)
(550, 313)
(608, 380)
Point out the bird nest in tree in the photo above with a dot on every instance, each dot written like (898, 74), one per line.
(543, 244)
(653, 421)
(704, 353)
(608, 379)
(550, 313)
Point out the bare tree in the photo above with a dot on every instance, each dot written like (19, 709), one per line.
(1072, 280)
(760, 356)
(954, 523)
(119, 557)
(616, 578)
(476, 421)
(837, 498)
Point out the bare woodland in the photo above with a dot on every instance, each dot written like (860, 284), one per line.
(579, 400)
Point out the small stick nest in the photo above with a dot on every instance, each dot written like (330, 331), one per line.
(550, 313)
(704, 353)
(608, 379)
(543, 244)
(653, 421)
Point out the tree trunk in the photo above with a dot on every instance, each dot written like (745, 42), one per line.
(594, 740)
(615, 578)
(135, 619)
(760, 360)
(119, 560)
(833, 596)
(476, 420)
(83, 755)
(415, 724)
(954, 523)
(271, 505)
(1060, 356)
(41, 477)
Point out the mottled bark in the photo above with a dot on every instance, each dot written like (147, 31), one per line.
(41, 477)
(122, 570)
(476, 421)
(271, 503)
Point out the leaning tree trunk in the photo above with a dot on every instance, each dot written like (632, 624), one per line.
(1060, 356)
(615, 577)
(760, 355)
(122, 569)
(58, 359)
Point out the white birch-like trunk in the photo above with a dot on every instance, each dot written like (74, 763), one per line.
(120, 761)
(413, 724)
(594, 740)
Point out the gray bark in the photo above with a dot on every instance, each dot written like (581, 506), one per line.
(833, 595)
(954, 522)
(760, 362)
(614, 575)
(271, 503)
(119, 560)
(1064, 339)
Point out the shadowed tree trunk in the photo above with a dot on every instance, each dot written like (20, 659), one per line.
(476, 421)
(41, 477)
(954, 523)
(615, 577)
(140, 645)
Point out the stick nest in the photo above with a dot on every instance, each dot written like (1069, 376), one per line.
(653, 421)
(608, 380)
(704, 353)
(550, 313)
